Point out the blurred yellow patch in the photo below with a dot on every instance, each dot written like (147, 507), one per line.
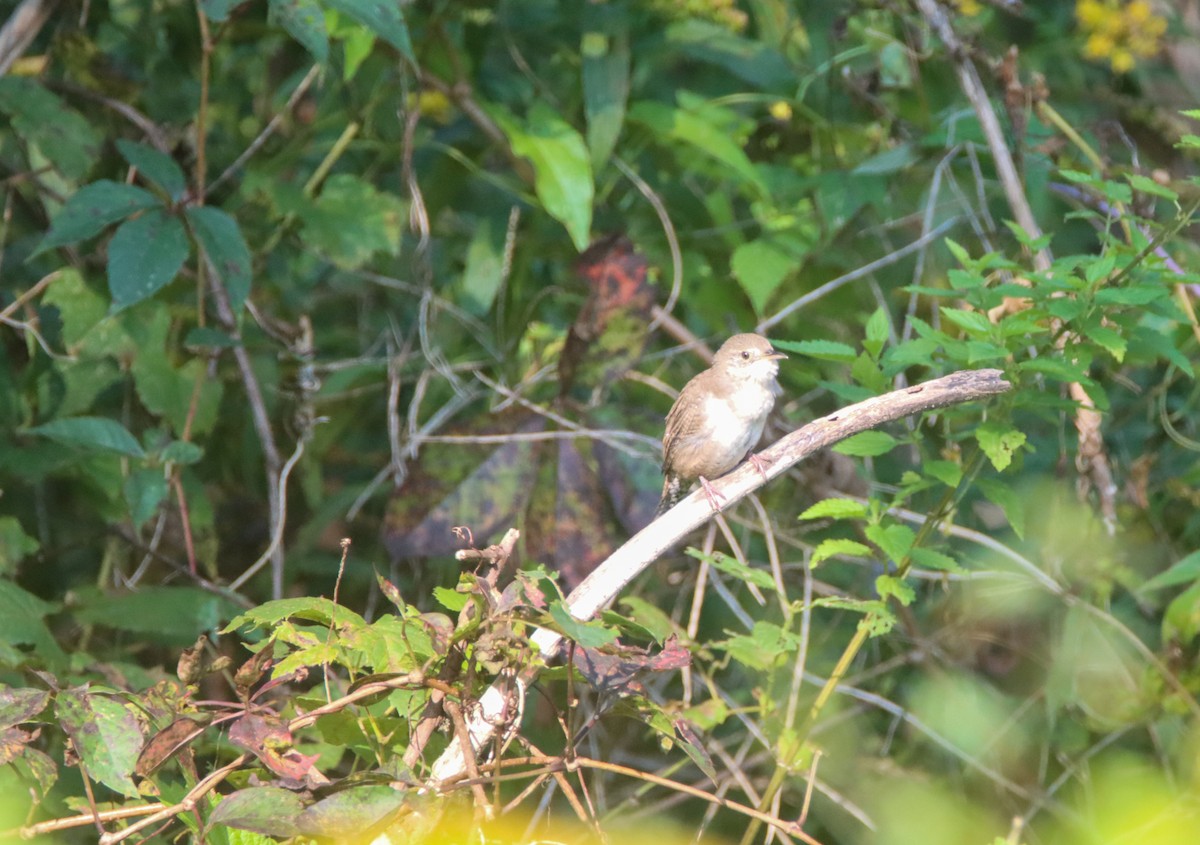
(781, 110)
(970, 8)
(1120, 32)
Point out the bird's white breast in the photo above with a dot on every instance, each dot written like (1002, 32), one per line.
(735, 421)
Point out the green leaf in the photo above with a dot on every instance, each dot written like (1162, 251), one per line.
(319, 610)
(1140, 295)
(561, 164)
(145, 489)
(351, 221)
(971, 322)
(171, 615)
(876, 333)
(734, 568)
(91, 209)
(586, 634)
(605, 71)
(383, 18)
(760, 266)
(895, 541)
(48, 126)
(999, 442)
(222, 240)
(766, 646)
(1110, 339)
(867, 444)
(947, 472)
(93, 434)
(268, 810)
(649, 616)
(305, 21)
(1004, 497)
(835, 509)
(698, 128)
(451, 599)
(822, 350)
(104, 734)
(15, 544)
(897, 588)
(930, 559)
(22, 622)
(144, 256)
(837, 546)
(484, 270)
(1184, 571)
(345, 814)
(181, 452)
(158, 167)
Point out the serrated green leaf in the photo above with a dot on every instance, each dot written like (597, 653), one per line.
(351, 221)
(835, 509)
(930, 559)
(999, 442)
(876, 332)
(158, 167)
(897, 588)
(451, 599)
(91, 209)
(823, 350)
(310, 609)
(561, 164)
(385, 19)
(732, 567)
(144, 256)
(763, 648)
(15, 544)
(836, 546)
(867, 444)
(1140, 295)
(1110, 339)
(895, 541)
(92, 433)
(222, 240)
(971, 322)
(760, 267)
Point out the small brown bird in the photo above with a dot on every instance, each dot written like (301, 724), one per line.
(719, 417)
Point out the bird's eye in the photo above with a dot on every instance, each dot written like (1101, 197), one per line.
(746, 355)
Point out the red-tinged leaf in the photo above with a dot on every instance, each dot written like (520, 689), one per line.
(255, 732)
(351, 813)
(268, 810)
(164, 744)
(19, 705)
(105, 735)
(390, 592)
(14, 742)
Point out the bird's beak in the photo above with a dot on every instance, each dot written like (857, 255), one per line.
(776, 355)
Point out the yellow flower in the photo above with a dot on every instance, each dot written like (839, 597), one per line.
(1090, 13)
(1122, 61)
(1099, 46)
(781, 110)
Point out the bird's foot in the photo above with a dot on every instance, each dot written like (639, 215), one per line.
(759, 464)
(712, 494)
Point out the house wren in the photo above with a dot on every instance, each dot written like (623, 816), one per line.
(719, 417)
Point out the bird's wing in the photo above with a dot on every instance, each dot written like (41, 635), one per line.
(683, 421)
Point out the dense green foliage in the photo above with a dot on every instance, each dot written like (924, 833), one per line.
(274, 274)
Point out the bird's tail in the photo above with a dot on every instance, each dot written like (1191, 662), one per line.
(672, 492)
